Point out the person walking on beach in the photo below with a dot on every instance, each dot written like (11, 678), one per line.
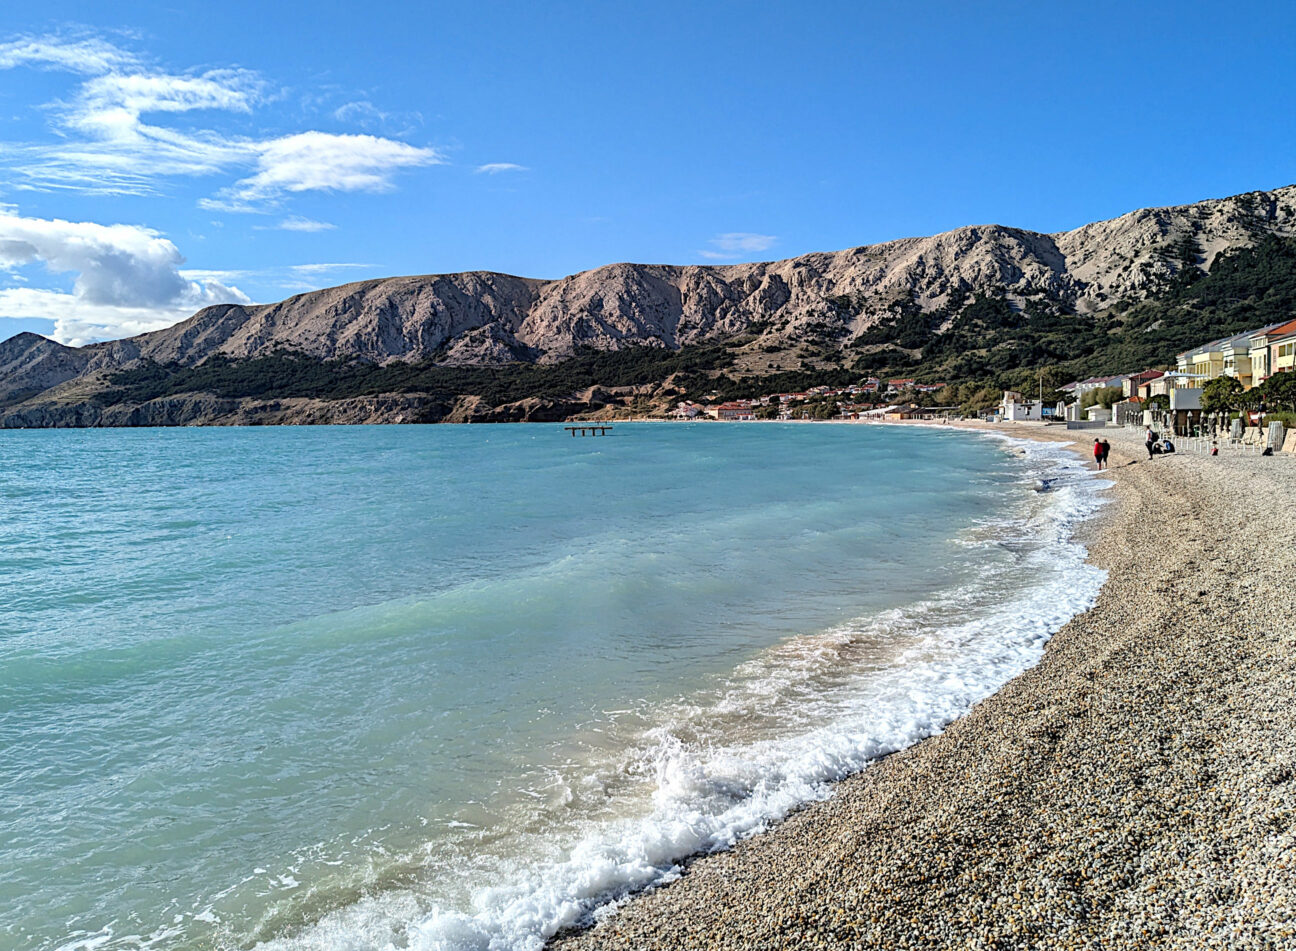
(1106, 451)
(1149, 440)
(1098, 453)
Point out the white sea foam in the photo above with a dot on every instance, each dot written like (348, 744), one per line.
(697, 776)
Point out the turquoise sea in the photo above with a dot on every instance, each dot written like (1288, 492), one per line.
(446, 687)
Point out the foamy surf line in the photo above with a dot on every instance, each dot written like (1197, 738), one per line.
(837, 706)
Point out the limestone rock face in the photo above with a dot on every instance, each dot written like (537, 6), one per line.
(484, 318)
(30, 364)
(402, 318)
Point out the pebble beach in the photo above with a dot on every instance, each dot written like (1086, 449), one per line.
(1136, 789)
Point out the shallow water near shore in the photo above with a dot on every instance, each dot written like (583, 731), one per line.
(460, 687)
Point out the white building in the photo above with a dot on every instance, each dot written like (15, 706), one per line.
(1014, 409)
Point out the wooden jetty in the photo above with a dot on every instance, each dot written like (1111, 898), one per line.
(595, 429)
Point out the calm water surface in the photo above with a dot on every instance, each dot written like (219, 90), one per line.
(455, 687)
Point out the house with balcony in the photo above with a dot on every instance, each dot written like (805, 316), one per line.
(1272, 350)
(1172, 380)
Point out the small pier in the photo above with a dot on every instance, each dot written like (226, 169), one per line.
(593, 429)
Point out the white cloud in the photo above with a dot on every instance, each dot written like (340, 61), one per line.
(130, 95)
(320, 161)
(106, 145)
(77, 323)
(219, 275)
(297, 223)
(127, 277)
(323, 268)
(494, 168)
(88, 55)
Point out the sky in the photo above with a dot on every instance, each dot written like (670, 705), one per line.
(157, 157)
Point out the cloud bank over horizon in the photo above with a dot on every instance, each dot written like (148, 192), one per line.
(127, 278)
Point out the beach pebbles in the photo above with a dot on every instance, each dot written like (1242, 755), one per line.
(1136, 789)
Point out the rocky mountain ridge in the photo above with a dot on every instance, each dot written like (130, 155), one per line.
(483, 318)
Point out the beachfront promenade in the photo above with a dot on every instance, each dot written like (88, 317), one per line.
(1136, 789)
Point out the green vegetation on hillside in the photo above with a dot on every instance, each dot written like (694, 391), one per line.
(1246, 288)
(283, 375)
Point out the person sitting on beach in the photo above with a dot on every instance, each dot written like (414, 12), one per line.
(1167, 446)
(1214, 449)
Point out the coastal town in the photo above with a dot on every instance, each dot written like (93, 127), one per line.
(1252, 368)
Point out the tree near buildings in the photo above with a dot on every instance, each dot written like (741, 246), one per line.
(1280, 391)
(1104, 396)
(1221, 395)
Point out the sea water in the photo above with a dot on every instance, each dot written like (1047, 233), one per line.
(462, 687)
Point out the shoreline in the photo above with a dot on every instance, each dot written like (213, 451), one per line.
(1083, 804)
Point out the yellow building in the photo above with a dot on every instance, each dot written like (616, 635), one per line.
(1206, 361)
(1272, 351)
(1249, 357)
(1282, 355)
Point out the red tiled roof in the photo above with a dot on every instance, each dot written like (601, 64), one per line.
(1283, 330)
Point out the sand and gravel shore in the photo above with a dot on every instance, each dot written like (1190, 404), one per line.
(1136, 789)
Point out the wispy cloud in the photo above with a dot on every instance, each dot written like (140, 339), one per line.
(361, 112)
(495, 168)
(324, 268)
(365, 115)
(127, 278)
(297, 223)
(737, 244)
(221, 275)
(110, 139)
(89, 55)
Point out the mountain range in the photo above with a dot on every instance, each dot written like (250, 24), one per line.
(967, 303)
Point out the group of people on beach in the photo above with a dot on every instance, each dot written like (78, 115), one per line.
(1156, 446)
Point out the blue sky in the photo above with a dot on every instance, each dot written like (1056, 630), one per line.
(156, 157)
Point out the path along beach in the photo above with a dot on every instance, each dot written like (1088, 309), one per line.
(1136, 789)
